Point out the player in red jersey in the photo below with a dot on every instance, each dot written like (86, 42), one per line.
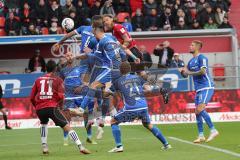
(126, 41)
(47, 94)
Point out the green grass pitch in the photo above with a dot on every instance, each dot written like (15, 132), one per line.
(139, 144)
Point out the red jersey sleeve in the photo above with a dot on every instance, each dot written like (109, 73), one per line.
(60, 90)
(33, 94)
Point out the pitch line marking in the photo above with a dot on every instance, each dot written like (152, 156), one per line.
(206, 146)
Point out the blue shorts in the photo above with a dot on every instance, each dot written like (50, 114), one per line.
(90, 107)
(69, 102)
(130, 115)
(102, 75)
(204, 96)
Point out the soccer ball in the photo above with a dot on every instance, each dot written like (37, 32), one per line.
(67, 24)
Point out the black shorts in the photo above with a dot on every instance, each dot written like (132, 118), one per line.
(138, 54)
(1, 105)
(52, 113)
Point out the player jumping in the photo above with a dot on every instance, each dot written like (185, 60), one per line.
(135, 106)
(88, 44)
(204, 86)
(126, 41)
(47, 94)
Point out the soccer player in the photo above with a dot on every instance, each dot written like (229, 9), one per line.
(126, 41)
(204, 86)
(101, 72)
(47, 94)
(2, 110)
(135, 106)
(73, 76)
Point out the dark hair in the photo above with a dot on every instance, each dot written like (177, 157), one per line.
(51, 66)
(125, 67)
(97, 22)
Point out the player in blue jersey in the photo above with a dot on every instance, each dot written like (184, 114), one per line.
(72, 75)
(198, 68)
(101, 72)
(88, 44)
(132, 90)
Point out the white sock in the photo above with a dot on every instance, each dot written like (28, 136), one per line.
(74, 137)
(113, 111)
(44, 133)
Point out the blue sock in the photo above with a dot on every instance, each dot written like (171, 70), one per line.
(65, 134)
(116, 134)
(157, 133)
(89, 130)
(88, 98)
(207, 119)
(199, 124)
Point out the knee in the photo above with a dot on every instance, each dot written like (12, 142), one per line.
(200, 108)
(113, 121)
(148, 126)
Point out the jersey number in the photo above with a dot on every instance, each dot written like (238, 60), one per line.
(49, 91)
(134, 90)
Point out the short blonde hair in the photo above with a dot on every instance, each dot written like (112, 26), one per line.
(199, 43)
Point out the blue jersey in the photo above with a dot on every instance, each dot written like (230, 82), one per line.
(201, 82)
(131, 88)
(87, 38)
(72, 78)
(105, 52)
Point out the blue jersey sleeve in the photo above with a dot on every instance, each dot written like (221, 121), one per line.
(79, 30)
(203, 62)
(92, 43)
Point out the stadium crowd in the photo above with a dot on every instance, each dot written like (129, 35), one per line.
(28, 17)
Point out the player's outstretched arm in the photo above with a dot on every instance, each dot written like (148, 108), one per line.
(67, 36)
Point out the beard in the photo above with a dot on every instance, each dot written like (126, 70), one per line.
(192, 52)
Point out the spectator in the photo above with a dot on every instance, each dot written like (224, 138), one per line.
(73, 16)
(82, 13)
(122, 6)
(42, 13)
(55, 12)
(54, 28)
(37, 63)
(148, 6)
(196, 24)
(2, 6)
(138, 21)
(107, 8)
(68, 8)
(210, 24)
(223, 4)
(219, 15)
(127, 24)
(27, 15)
(165, 54)
(12, 25)
(225, 23)
(201, 5)
(151, 21)
(147, 59)
(181, 14)
(205, 14)
(176, 62)
(95, 10)
(32, 30)
(181, 24)
(166, 20)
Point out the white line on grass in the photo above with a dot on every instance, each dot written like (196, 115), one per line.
(206, 146)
